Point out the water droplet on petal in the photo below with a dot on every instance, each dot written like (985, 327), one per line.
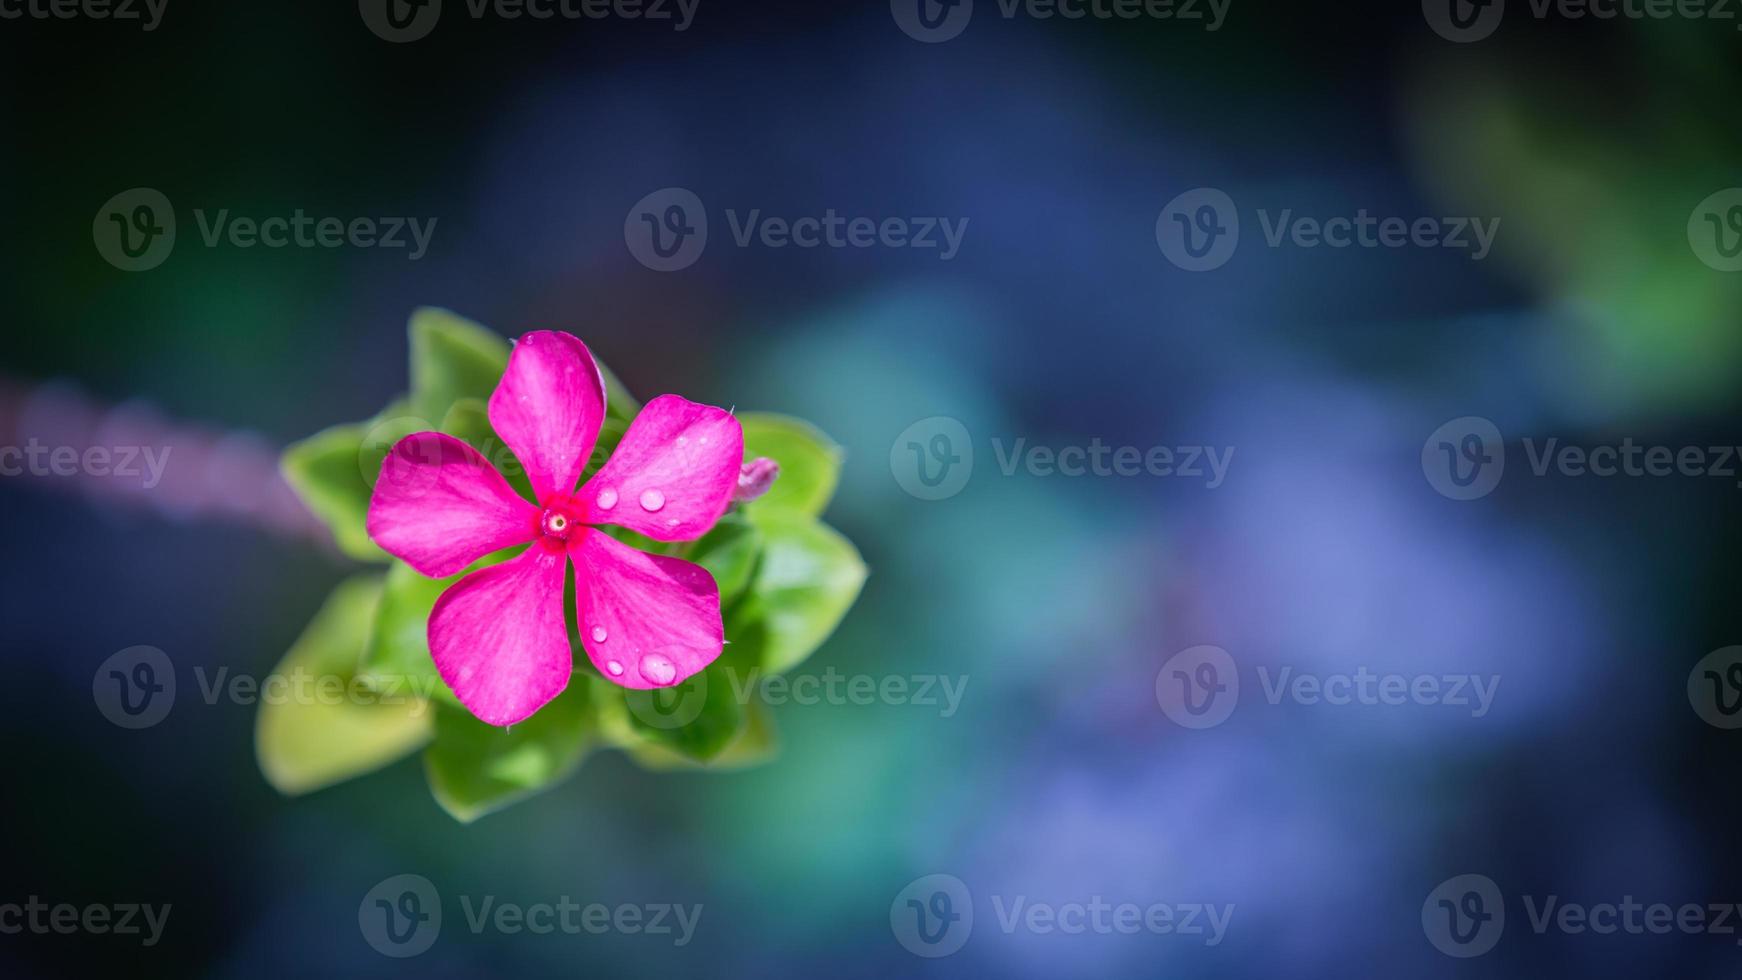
(652, 500)
(607, 499)
(658, 669)
(615, 668)
(599, 634)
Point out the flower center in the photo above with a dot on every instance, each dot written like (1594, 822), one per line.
(556, 524)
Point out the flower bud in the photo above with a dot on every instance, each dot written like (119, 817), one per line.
(755, 477)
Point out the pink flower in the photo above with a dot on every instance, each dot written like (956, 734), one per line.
(498, 635)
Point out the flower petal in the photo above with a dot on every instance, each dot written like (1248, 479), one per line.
(646, 620)
(673, 474)
(439, 505)
(548, 409)
(499, 640)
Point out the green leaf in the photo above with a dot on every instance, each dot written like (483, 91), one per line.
(396, 655)
(451, 358)
(312, 734)
(807, 579)
(333, 472)
(322, 470)
(474, 768)
(810, 464)
(729, 553)
(757, 743)
(696, 719)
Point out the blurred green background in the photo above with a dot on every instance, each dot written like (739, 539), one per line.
(1058, 599)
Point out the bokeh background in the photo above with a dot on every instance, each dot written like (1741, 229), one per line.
(1059, 599)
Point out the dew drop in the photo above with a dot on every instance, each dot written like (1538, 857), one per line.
(607, 499)
(652, 500)
(599, 634)
(615, 668)
(658, 669)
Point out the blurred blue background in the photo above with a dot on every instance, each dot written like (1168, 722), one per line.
(1060, 599)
